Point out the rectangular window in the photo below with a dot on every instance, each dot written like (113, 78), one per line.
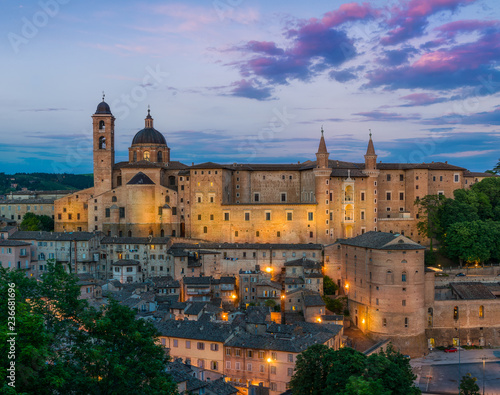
(273, 369)
(290, 357)
(384, 321)
(237, 366)
(268, 216)
(290, 372)
(362, 196)
(401, 196)
(249, 367)
(256, 197)
(406, 322)
(403, 302)
(388, 177)
(362, 215)
(310, 216)
(247, 216)
(122, 212)
(388, 197)
(401, 177)
(237, 352)
(201, 346)
(228, 365)
(228, 351)
(176, 343)
(456, 178)
(226, 216)
(283, 197)
(188, 344)
(261, 354)
(214, 347)
(288, 216)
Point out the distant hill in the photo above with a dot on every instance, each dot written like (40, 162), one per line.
(44, 181)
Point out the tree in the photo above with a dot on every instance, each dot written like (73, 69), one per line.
(346, 362)
(358, 385)
(496, 169)
(65, 346)
(472, 242)
(33, 222)
(329, 287)
(320, 370)
(311, 370)
(428, 209)
(394, 370)
(118, 352)
(468, 385)
(335, 305)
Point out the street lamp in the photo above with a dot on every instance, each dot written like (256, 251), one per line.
(269, 360)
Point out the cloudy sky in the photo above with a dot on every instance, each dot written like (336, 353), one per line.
(252, 81)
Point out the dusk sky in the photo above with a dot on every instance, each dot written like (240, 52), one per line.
(252, 81)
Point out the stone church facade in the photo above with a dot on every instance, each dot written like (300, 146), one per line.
(310, 202)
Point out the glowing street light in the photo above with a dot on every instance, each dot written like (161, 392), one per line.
(269, 269)
(318, 319)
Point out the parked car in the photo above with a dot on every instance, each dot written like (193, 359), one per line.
(461, 275)
(451, 349)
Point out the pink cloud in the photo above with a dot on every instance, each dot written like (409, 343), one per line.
(410, 19)
(451, 29)
(349, 12)
(421, 99)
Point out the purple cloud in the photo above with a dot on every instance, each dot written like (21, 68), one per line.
(450, 30)
(386, 116)
(410, 19)
(315, 46)
(466, 65)
(342, 75)
(421, 99)
(248, 89)
(480, 118)
(397, 57)
(265, 47)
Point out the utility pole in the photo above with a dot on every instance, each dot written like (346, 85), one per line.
(484, 360)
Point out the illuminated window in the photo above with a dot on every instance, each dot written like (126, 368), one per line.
(146, 155)
(455, 313)
(481, 311)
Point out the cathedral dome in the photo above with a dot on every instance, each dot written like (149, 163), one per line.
(103, 108)
(149, 135)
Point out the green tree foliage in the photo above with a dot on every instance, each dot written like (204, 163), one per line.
(335, 305)
(322, 371)
(468, 385)
(467, 225)
(44, 181)
(358, 385)
(37, 222)
(65, 346)
(428, 210)
(329, 286)
(473, 242)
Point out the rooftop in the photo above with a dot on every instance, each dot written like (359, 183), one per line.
(53, 236)
(382, 241)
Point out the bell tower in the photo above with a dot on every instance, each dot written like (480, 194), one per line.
(103, 123)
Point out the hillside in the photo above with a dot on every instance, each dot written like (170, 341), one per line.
(44, 181)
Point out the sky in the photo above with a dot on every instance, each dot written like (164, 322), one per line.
(251, 81)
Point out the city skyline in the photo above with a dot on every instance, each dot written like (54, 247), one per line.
(234, 81)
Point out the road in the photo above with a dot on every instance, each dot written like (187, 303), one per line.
(438, 372)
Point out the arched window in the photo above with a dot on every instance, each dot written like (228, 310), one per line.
(129, 233)
(102, 142)
(162, 233)
(160, 156)
(146, 155)
(135, 157)
(481, 311)
(403, 277)
(102, 126)
(171, 180)
(151, 232)
(389, 277)
(114, 199)
(205, 229)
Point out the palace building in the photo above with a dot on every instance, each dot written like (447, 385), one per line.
(316, 201)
